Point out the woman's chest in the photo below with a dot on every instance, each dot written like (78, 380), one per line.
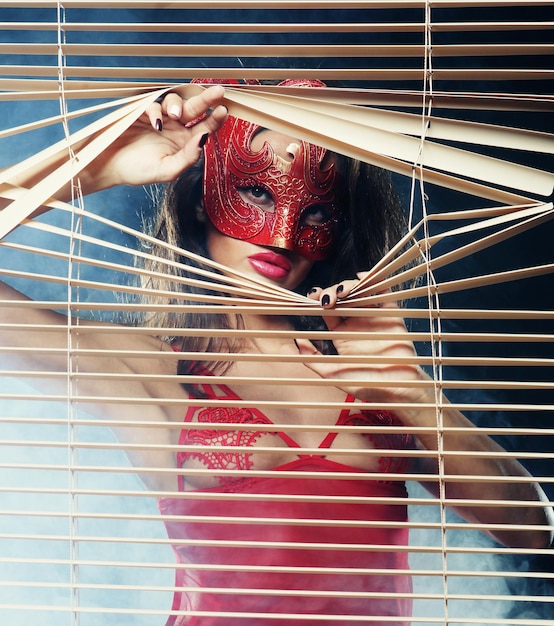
(227, 436)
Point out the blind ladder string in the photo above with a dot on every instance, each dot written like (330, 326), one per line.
(72, 338)
(433, 302)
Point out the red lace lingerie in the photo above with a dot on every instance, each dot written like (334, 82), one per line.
(326, 542)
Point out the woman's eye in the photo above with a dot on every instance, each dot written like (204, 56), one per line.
(258, 192)
(315, 215)
(258, 196)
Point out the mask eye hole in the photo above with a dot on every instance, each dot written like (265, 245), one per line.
(316, 214)
(258, 196)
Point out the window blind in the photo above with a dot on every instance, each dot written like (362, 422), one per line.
(454, 98)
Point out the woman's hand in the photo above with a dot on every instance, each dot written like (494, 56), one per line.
(159, 146)
(381, 381)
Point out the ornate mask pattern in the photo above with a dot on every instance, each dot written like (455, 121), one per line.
(298, 187)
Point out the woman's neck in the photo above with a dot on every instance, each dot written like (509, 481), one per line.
(266, 342)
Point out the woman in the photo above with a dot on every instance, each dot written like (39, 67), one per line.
(262, 546)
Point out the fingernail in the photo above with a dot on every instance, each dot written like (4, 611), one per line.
(175, 110)
(313, 290)
(325, 300)
(340, 289)
(159, 125)
(203, 140)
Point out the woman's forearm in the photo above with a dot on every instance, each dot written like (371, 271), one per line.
(484, 484)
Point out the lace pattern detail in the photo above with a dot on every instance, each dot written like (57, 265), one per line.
(384, 441)
(205, 438)
(221, 460)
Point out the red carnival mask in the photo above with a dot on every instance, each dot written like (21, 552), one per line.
(298, 187)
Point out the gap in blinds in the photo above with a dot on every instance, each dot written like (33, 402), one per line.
(112, 509)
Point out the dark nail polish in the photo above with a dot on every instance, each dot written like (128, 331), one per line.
(325, 300)
(313, 290)
(159, 125)
(340, 289)
(203, 140)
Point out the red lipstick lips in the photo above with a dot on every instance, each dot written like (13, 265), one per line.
(270, 264)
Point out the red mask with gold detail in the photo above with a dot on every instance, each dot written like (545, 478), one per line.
(304, 216)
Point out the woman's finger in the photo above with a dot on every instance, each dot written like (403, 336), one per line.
(154, 115)
(212, 122)
(314, 293)
(199, 105)
(306, 347)
(172, 106)
(331, 295)
(205, 107)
